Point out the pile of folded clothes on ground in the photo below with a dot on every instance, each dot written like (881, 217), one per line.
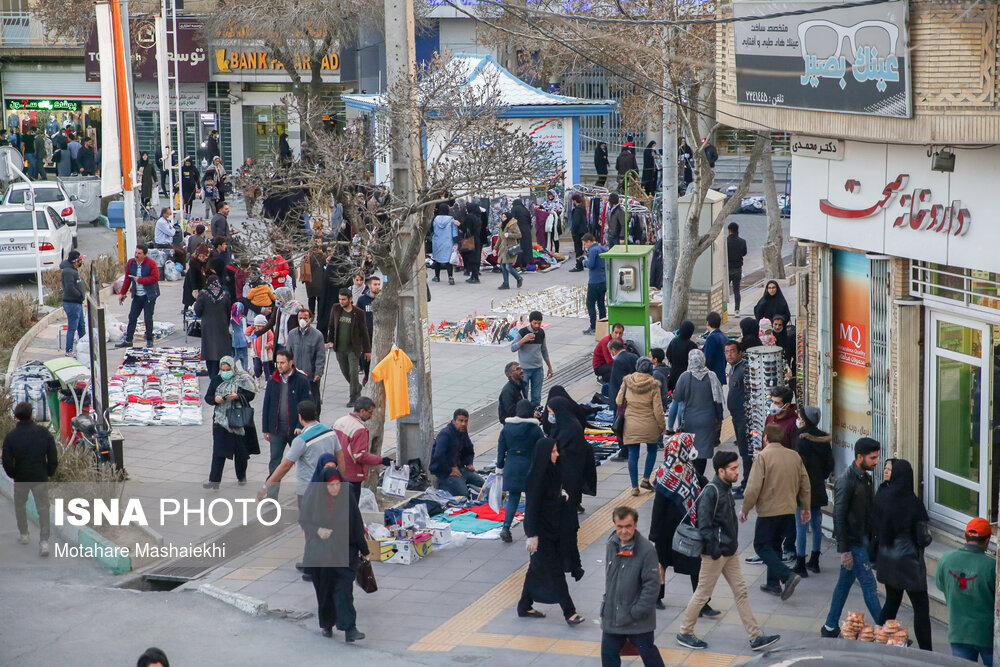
(157, 387)
(599, 433)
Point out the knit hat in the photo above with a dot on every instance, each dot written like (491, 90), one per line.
(260, 321)
(811, 415)
(978, 527)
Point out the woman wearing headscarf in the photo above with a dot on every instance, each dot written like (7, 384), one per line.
(194, 279)
(471, 228)
(229, 385)
(190, 180)
(284, 316)
(677, 485)
(325, 509)
(644, 422)
(772, 303)
(582, 413)
(444, 231)
(701, 393)
(677, 356)
(751, 333)
(814, 448)
(649, 168)
(214, 306)
(147, 178)
(520, 213)
(284, 151)
(509, 237)
(577, 472)
(514, 452)
(545, 507)
(900, 522)
(336, 276)
(601, 164)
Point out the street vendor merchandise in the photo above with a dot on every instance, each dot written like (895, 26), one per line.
(156, 387)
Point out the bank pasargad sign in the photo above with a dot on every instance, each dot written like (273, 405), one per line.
(851, 60)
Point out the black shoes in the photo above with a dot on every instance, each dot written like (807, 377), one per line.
(800, 567)
(211, 485)
(813, 564)
(690, 641)
(451, 280)
(504, 287)
(435, 280)
(327, 632)
(824, 632)
(473, 281)
(505, 535)
(353, 635)
(520, 282)
(773, 590)
(708, 612)
(576, 270)
(762, 642)
(123, 343)
(789, 587)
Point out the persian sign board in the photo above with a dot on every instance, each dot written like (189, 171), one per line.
(851, 60)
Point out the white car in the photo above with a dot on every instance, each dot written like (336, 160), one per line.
(47, 193)
(17, 239)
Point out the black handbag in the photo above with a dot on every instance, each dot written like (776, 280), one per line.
(239, 414)
(618, 425)
(366, 577)
(194, 329)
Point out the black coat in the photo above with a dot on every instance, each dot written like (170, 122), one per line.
(813, 445)
(649, 169)
(578, 225)
(194, 281)
(216, 339)
(226, 443)
(317, 513)
(624, 364)
(677, 356)
(769, 306)
(716, 512)
(900, 521)
(626, 161)
(666, 516)
(601, 161)
(852, 508)
(577, 468)
(29, 453)
(509, 396)
(470, 228)
(298, 391)
(751, 333)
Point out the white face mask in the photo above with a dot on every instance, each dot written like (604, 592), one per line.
(773, 409)
(799, 423)
(552, 418)
(303, 324)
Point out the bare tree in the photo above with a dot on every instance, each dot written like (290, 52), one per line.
(774, 266)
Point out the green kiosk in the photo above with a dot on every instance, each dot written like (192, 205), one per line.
(628, 291)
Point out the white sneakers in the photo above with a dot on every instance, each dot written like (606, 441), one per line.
(23, 539)
(43, 549)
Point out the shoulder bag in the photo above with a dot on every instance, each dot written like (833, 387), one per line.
(468, 243)
(687, 538)
(618, 425)
(239, 414)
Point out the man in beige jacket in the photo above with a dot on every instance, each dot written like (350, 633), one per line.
(778, 485)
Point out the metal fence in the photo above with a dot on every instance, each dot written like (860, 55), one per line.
(594, 84)
(878, 371)
(21, 29)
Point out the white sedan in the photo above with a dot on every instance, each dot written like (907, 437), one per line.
(17, 239)
(47, 193)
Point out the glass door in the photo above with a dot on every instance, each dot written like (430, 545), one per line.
(262, 127)
(959, 371)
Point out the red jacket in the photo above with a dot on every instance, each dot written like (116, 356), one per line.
(353, 436)
(149, 280)
(602, 355)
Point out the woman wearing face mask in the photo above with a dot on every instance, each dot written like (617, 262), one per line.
(514, 451)
(230, 442)
(213, 306)
(813, 446)
(545, 509)
(901, 532)
(325, 508)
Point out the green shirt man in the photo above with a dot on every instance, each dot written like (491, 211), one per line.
(968, 579)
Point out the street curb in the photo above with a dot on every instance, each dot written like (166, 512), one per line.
(244, 603)
(73, 535)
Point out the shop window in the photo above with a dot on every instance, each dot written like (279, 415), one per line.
(956, 338)
(957, 497)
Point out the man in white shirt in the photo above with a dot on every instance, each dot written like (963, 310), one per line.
(163, 235)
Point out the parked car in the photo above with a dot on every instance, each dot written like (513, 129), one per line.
(17, 239)
(49, 193)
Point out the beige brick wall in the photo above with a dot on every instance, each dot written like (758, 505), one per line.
(955, 87)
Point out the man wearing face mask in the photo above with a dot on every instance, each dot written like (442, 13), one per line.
(307, 346)
(784, 413)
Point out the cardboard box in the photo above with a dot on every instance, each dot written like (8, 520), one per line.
(440, 533)
(422, 545)
(601, 330)
(656, 311)
(379, 549)
(403, 552)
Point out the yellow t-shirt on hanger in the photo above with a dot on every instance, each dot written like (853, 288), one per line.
(392, 371)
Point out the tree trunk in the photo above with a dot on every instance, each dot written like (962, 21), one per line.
(384, 311)
(774, 266)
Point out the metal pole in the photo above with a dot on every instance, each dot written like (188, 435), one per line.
(178, 119)
(126, 128)
(415, 431)
(163, 88)
(16, 170)
(668, 214)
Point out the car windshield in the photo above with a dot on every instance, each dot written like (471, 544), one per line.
(12, 221)
(42, 196)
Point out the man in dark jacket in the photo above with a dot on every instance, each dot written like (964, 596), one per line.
(601, 164)
(736, 404)
(30, 459)
(715, 347)
(73, 296)
(307, 346)
(87, 158)
(711, 152)
(515, 390)
(615, 230)
(624, 364)
(452, 456)
(279, 419)
(661, 372)
(220, 222)
(142, 278)
(578, 227)
(40, 154)
(736, 250)
(347, 335)
(631, 584)
(716, 512)
(625, 163)
(372, 290)
(852, 530)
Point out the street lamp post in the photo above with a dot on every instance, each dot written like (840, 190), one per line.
(10, 159)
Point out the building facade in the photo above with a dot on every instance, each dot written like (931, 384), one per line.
(898, 319)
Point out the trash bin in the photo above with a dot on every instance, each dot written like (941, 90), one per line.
(87, 190)
(52, 398)
(67, 410)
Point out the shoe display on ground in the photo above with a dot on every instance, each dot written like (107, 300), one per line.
(762, 642)
(690, 641)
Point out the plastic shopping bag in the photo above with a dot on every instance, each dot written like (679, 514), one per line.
(496, 493)
(455, 259)
(395, 479)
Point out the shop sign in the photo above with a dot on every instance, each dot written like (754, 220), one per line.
(827, 149)
(549, 132)
(43, 105)
(227, 61)
(951, 219)
(849, 60)
(191, 55)
(192, 97)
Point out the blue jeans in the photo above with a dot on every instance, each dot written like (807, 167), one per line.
(815, 524)
(676, 413)
(75, 324)
(533, 378)
(633, 461)
(862, 571)
(508, 272)
(459, 486)
(973, 653)
(768, 534)
(510, 506)
(240, 354)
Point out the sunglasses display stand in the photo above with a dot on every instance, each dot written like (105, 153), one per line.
(764, 373)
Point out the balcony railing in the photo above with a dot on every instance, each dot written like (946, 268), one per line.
(24, 30)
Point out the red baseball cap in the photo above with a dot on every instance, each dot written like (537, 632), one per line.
(978, 527)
